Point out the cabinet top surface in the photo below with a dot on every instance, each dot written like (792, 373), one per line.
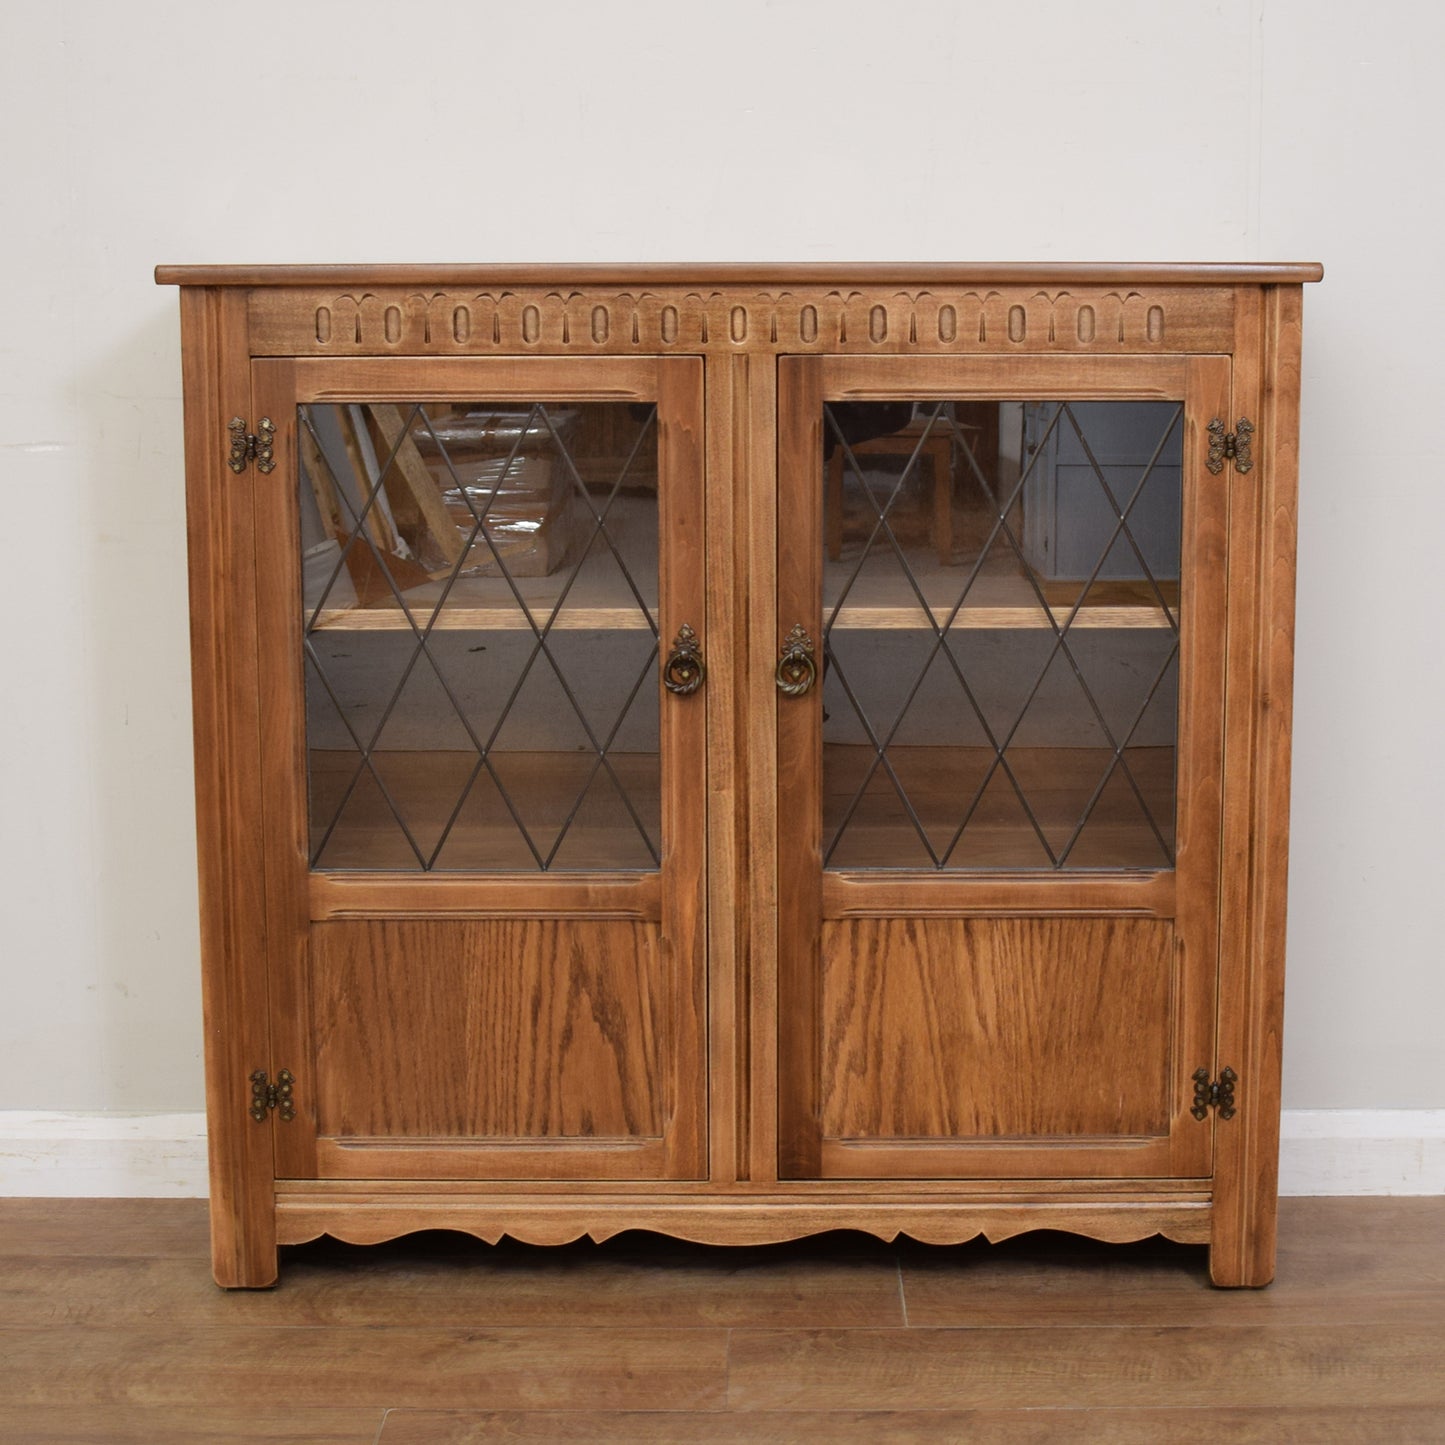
(910, 273)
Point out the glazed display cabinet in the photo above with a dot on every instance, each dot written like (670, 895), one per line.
(742, 751)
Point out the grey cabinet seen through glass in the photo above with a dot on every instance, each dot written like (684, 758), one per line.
(1001, 633)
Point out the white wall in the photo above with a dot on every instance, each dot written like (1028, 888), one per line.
(281, 130)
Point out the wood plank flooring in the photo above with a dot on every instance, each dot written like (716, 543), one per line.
(110, 1330)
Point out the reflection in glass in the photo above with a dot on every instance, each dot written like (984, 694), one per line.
(1001, 634)
(479, 590)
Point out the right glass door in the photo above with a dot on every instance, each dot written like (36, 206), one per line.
(1001, 616)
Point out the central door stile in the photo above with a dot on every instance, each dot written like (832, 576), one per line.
(741, 512)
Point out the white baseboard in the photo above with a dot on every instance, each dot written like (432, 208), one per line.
(1322, 1151)
(1362, 1151)
(103, 1156)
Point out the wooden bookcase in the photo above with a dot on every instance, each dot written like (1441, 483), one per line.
(666, 760)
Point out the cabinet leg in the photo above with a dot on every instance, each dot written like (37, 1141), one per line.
(243, 1247)
(1242, 1250)
(1228, 1274)
(256, 1272)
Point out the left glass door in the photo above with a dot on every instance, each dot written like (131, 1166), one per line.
(480, 599)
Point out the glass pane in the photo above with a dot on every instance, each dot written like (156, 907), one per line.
(1001, 634)
(480, 632)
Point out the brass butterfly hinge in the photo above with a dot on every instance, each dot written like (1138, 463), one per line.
(1214, 1094)
(266, 1096)
(257, 446)
(1230, 446)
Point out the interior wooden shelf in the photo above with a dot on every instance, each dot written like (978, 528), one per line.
(1059, 783)
(879, 598)
(619, 619)
(482, 619)
(543, 786)
(902, 619)
(997, 602)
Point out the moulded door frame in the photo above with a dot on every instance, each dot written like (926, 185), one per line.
(808, 895)
(671, 899)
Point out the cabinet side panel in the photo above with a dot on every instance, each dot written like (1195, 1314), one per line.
(1257, 764)
(996, 1029)
(221, 542)
(490, 1029)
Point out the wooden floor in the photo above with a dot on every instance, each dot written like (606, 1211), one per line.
(110, 1330)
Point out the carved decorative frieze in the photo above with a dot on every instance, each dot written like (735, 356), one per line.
(422, 322)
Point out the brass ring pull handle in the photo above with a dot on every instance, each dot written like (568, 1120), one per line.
(797, 670)
(683, 672)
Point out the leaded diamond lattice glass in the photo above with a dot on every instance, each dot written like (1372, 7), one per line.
(480, 635)
(1001, 628)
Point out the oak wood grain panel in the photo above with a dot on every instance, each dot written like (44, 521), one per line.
(225, 687)
(1404, 1425)
(995, 1029)
(996, 1368)
(553, 1367)
(505, 1029)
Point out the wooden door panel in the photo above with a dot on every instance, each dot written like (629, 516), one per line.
(940, 1034)
(503, 1035)
(488, 1029)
